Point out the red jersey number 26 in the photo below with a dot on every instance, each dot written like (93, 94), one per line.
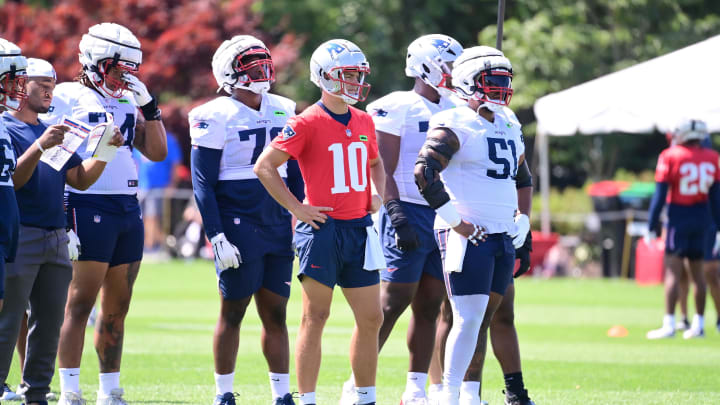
(356, 163)
(696, 178)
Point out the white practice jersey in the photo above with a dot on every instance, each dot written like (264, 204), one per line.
(87, 105)
(7, 159)
(407, 114)
(240, 131)
(480, 177)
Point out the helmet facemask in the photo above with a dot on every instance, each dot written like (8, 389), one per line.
(349, 83)
(105, 82)
(253, 70)
(494, 88)
(12, 89)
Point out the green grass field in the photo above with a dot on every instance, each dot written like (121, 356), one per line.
(567, 356)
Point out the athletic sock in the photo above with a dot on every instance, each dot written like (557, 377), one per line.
(669, 321)
(70, 380)
(307, 398)
(470, 390)
(279, 384)
(514, 383)
(108, 382)
(698, 321)
(366, 395)
(224, 383)
(415, 385)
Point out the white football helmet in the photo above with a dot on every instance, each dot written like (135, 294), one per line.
(329, 65)
(13, 75)
(243, 62)
(484, 74)
(690, 130)
(430, 58)
(105, 46)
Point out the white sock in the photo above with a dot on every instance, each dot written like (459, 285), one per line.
(349, 384)
(70, 380)
(307, 398)
(365, 395)
(415, 385)
(454, 392)
(108, 382)
(224, 383)
(279, 384)
(698, 321)
(669, 321)
(468, 312)
(435, 388)
(470, 390)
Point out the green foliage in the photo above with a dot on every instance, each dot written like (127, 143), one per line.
(568, 209)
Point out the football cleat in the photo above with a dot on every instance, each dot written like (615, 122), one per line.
(683, 325)
(518, 399)
(662, 333)
(693, 333)
(414, 401)
(227, 398)
(348, 393)
(9, 395)
(115, 398)
(285, 400)
(71, 398)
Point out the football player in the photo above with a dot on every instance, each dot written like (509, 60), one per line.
(250, 232)
(13, 76)
(690, 173)
(474, 154)
(42, 271)
(334, 144)
(106, 216)
(414, 274)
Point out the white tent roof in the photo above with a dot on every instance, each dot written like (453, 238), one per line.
(653, 94)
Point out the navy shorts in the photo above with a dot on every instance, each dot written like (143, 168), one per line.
(335, 253)
(408, 267)
(710, 243)
(687, 241)
(267, 259)
(110, 228)
(487, 267)
(2, 277)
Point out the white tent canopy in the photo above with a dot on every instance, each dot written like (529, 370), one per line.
(651, 95)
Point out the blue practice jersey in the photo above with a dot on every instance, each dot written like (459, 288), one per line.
(9, 220)
(40, 200)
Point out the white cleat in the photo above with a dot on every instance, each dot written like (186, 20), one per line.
(662, 333)
(348, 393)
(71, 398)
(694, 333)
(115, 398)
(445, 398)
(9, 395)
(414, 401)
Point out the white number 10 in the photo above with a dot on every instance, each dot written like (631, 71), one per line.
(358, 181)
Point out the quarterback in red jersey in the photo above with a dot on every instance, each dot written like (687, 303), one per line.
(692, 175)
(336, 243)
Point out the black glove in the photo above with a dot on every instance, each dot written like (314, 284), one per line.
(406, 238)
(523, 254)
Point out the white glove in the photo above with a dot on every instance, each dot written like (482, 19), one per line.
(650, 237)
(226, 254)
(716, 246)
(138, 89)
(522, 227)
(73, 245)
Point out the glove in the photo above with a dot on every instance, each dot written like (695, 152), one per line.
(523, 254)
(406, 238)
(522, 227)
(73, 245)
(650, 237)
(226, 254)
(138, 89)
(716, 246)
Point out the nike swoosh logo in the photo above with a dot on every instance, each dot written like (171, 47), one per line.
(315, 267)
(73, 375)
(392, 269)
(288, 283)
(275, 379)
(362, 393)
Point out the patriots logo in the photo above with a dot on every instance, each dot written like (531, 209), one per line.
(379, 112)
(288, 132)
(334, 49)
(201, 125)
(440, 44)
(51, 109)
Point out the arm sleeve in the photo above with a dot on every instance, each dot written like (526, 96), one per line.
(205, 167)
(656, 205)
(294, 180)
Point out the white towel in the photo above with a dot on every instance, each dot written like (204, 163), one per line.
(374, 258)
(455, 252)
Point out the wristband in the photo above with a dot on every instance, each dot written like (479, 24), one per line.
(37, 143)
(449, 214)
(150, 111)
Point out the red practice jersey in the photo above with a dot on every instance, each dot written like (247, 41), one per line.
(334, 159)
(689, 171)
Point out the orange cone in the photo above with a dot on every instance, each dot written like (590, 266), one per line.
(617, 331)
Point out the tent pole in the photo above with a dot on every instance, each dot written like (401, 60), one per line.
(544, 182)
